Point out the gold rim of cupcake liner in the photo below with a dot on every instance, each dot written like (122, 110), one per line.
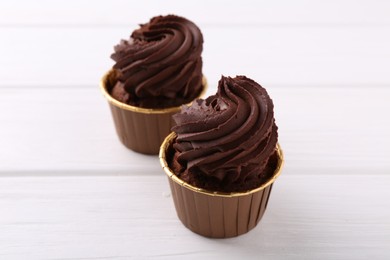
(110, 77)
(162, 156)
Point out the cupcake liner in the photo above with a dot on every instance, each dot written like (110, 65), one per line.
(140, 129)
(217, 214)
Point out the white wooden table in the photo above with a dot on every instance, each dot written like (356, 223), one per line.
(70, 190)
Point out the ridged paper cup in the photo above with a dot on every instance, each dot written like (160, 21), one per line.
(217, 214)
(139, 129)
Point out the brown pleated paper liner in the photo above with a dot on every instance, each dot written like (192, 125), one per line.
(217, 214)
(139, 129)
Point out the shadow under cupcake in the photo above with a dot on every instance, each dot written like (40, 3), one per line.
(157, 70)
(223, 158)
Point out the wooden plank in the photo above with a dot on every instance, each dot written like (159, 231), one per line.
(310, 217)
(220, 12)
(70, 131)
(295, 56)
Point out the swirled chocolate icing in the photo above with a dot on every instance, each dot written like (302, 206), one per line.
(227, 142)
(160, 65)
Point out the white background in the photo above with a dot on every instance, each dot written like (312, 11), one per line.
(70, 190)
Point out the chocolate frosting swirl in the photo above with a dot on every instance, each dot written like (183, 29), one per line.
(226, 141)
(160, 65)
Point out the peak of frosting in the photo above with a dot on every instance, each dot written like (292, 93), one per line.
(160, 65)
(226, 141)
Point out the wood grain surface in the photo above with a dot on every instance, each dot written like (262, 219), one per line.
(70, 190)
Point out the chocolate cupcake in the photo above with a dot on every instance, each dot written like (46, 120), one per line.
(222, 159)
(156, 71)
